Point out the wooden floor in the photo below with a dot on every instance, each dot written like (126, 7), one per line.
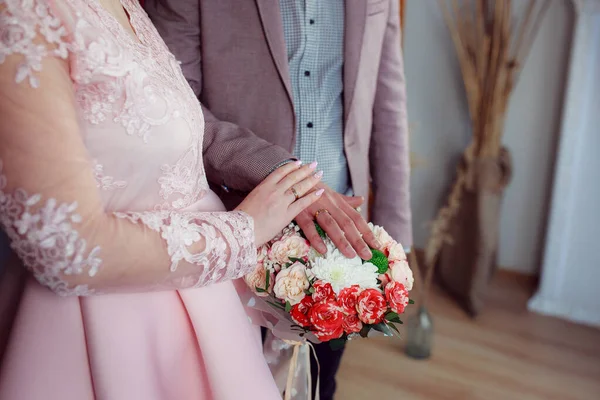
(507, 354)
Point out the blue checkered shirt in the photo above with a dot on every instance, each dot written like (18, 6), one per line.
(314, 37)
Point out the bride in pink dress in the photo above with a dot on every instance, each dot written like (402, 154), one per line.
(105, 201)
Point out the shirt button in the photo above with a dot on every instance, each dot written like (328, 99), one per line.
(312, 21)
(309, 125)
(306, 73)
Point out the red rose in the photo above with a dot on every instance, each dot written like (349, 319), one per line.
(397, 296)
(348, 298)
(352, 324)
(323, 291)
(299, 312)
(326, 336)
(371, 306)
(327, 320)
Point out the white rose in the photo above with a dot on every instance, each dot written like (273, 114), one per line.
(401, 272)
(258, 279)
(290, 283)
(380, 234)
(396, 252)
(289, 247)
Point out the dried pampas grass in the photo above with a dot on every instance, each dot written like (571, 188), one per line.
(492, 45)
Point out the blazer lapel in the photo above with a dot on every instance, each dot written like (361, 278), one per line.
(354, 26)
(272, 23)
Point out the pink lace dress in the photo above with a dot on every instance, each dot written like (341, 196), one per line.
(104, 198)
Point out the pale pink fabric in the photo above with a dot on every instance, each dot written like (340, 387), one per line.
(105, 200)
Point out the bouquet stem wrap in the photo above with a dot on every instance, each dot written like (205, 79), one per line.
(301, 356)
(289, 361)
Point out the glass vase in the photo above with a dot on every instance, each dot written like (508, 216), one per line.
(419, 332)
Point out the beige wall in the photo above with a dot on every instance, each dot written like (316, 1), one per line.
(440, 125)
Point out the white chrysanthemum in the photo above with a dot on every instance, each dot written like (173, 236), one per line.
(342, 272)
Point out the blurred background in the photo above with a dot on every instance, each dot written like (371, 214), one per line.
(512, 311)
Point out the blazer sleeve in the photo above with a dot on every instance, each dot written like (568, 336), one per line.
(389, 150)
(233, 156)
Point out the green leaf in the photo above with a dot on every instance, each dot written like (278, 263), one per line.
(411, 301)
(288, 306)
(364, 332)
(394, 327)
(259, 290)
(379, 260)
(381, 327)
(391, 315)
(294, 259)
(320, 230)
(337, 344)
(267, 280)
(276, 305)
(307, 292)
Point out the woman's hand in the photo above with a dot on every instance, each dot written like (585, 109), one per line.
(280, 198)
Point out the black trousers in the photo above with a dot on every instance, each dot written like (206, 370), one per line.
(329, 363)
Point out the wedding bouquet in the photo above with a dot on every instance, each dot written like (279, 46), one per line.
(328, 296)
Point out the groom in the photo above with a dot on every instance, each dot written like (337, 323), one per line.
(308, 79)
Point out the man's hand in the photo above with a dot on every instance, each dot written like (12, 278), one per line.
(345, 226)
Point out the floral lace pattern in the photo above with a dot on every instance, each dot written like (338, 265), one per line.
(139, 119)
(152, 81)
(229, 241)
(19, 29)
(106, 182)
(44, 237)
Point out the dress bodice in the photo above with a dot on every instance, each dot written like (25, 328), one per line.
(140, 121)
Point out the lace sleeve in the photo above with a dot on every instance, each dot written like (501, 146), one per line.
(49, 204)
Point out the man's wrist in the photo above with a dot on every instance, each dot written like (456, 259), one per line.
(281, 164)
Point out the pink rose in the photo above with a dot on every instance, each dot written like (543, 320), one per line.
(400, 272)
(352, 324)
(348, 298)
(397, 296)
(395, 252)
(380, 234)
(384, 278)
(289, 247)
(257, 279)
(371, 306)
(323, 291)
(290, 283)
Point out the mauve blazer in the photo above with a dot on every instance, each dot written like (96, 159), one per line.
(234, 56)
